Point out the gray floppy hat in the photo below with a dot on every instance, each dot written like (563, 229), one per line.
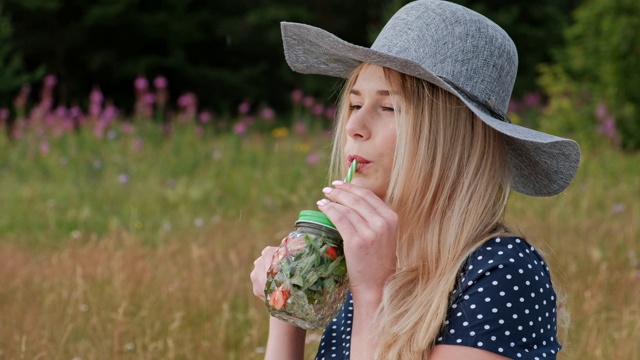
(460, 51)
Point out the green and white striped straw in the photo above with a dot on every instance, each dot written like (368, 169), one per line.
(352, 170)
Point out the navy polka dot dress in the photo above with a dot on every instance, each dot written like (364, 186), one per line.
(503, 302)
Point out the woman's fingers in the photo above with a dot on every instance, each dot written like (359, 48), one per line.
(355, 193)
(361, 209)
(369, 229)
(260, 268)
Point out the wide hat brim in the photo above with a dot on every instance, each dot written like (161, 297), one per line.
(541, 164)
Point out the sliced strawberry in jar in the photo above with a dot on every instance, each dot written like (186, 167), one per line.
(278, 298)
(332, 253)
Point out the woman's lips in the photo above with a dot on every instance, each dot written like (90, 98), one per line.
(362, 162)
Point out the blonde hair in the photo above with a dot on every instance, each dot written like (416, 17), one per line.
(449, 186)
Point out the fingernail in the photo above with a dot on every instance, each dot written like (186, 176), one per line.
(327, 190)
(337, 182)
(322, 202)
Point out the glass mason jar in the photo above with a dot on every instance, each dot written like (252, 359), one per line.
(307, 280)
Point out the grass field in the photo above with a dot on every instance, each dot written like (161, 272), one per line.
(136, 246)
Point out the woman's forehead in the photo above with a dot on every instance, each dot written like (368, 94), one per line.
(384, 79)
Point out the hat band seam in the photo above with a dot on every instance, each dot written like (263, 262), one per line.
(474, 99)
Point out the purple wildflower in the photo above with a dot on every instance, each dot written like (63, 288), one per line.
(308, 101)
(95, 109)
(608, 126)
(110, 112)
(44, 147)
(300, 128)
(204, 117)
(137, 144)
(187, 100)
(244, 108)
(296, 96)
(313, 158)
(330, 113)
(162, 94)
(141, 83)
(148, 99)
(96, 96)
(160, 82)
(20, 101)
(61, 112)
(45, 104)
(318, 110)
(532, 99)
(618, 208)
(75, 111)
(240, 128)
(4, 115)
(601, 111)
(50, 81)
(268, 114)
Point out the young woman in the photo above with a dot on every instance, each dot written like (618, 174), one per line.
(434, 272)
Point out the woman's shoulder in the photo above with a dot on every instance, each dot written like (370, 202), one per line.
(503, 267)
(510, 256)
(504, 302)
(507, 246)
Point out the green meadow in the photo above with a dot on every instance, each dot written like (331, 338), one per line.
(139, 245)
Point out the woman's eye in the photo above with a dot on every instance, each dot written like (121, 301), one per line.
(383, 108)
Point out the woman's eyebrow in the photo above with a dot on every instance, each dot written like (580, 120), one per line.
(378, 92)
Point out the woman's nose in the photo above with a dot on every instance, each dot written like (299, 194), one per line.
(357, 124)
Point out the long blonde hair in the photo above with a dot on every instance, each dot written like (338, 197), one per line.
(449, 186)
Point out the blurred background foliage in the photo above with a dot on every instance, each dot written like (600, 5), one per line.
(583, 56)
(594, 82)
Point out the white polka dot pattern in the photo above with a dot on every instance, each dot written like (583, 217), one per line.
(504, 302)
(336, 338)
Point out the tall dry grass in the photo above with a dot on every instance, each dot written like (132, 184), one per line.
(116, 298)
(116, 295)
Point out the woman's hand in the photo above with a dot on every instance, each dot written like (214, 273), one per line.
(260, 268)
(369, 229)
(286, 342)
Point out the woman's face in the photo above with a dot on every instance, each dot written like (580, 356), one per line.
(371, 129)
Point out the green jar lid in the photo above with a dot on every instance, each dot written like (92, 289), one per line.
(315, 217)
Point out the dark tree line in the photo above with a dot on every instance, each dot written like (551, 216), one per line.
(223, 50)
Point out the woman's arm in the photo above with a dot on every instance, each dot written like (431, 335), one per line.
(364, 309)
(286, 342)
